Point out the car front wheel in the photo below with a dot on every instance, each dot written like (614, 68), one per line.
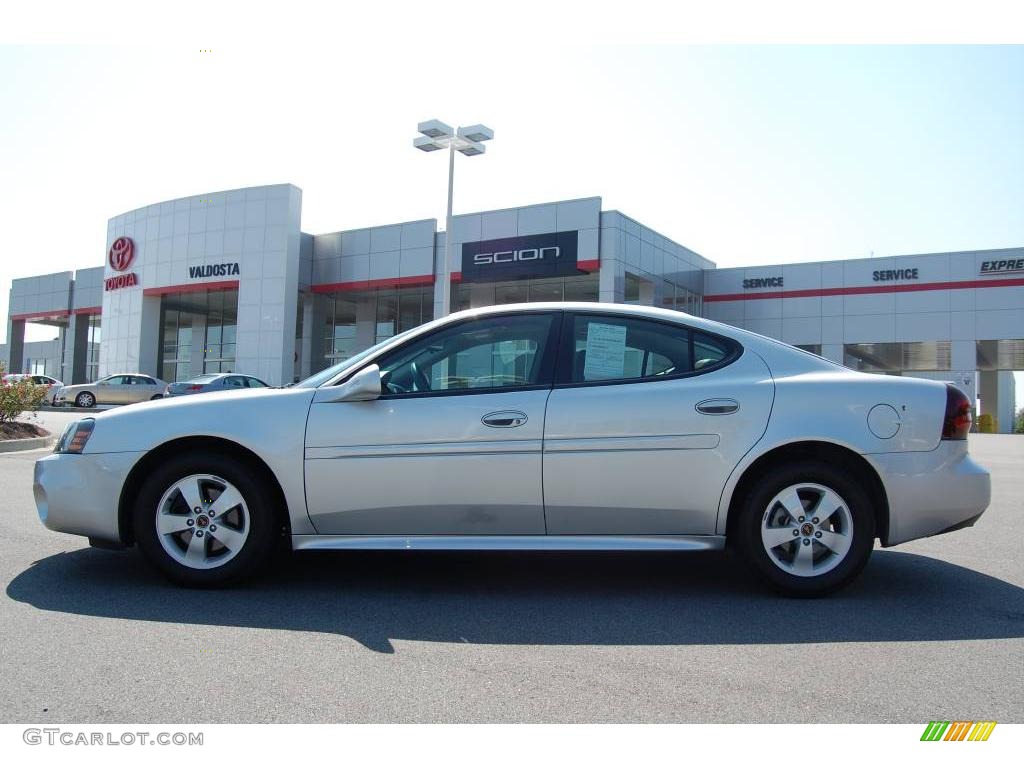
(808, 529)
(85, 400)
(204, 520)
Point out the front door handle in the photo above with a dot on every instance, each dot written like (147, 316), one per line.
(719, 406)
(504, 419)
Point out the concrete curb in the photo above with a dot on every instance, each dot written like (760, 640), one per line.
(74, 409)
(26, 444)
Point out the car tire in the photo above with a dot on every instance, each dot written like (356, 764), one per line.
(85, 400)
(214, 547)
(156, 397)
(815, 550)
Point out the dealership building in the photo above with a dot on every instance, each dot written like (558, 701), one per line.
(228, 281)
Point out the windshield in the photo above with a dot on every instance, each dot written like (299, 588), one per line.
(327, 374)
(203, 379)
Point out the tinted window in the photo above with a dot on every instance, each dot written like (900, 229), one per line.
(616, 348)
(708, 351)
(255, 382)
(234, 381)
(490, 353)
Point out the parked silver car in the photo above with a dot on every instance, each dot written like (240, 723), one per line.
(118, 389)
(534, 426)
(214, 382)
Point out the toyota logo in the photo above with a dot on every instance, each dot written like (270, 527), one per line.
(121, 253)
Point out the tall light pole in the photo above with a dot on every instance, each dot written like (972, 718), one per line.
(469, 141)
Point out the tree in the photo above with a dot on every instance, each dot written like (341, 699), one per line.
(1018, 425)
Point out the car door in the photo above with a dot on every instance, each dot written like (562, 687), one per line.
(111, 390)
(234, 382)
(453, 445)
(645, 423)
(135, 389)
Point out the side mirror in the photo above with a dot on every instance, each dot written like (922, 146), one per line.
(365, 385)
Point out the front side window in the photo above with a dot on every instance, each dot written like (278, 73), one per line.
(618, 348)
(503, 352)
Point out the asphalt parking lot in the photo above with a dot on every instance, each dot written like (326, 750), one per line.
(933, 630)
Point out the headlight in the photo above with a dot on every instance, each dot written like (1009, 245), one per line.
(75, 436)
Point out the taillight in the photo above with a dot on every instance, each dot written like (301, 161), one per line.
(195, 387)
(957, 422)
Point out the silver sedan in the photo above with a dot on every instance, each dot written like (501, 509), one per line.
(537, 427)
(213, 382)
(117, 389)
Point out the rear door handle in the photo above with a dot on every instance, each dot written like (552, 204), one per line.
(504, 419)
(718, 406)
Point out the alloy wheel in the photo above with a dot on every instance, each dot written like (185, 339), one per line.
(202, 521)
(807, 529)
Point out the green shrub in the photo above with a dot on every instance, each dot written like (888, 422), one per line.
(987, 423)
(16, 397)
(1018, 426)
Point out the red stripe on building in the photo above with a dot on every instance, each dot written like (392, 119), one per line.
(87, 311)
(220, 285)
(864, 289)
(366, 285)
(55, 313)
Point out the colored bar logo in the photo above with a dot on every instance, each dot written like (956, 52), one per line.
(959, 730)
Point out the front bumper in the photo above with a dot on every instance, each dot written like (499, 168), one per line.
(932, 492)
(79, 493)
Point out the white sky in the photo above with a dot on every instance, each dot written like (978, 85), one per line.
(745, 154)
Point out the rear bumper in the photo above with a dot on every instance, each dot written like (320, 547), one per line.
(80, 494)
(932, 492)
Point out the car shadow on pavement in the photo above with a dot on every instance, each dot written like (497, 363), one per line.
(539, 599)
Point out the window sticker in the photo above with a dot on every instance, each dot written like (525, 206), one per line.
(606, 352)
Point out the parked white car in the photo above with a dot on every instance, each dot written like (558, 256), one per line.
(52, 385)
(536, 426)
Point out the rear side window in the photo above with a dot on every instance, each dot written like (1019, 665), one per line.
(614, 348)
(708, 351)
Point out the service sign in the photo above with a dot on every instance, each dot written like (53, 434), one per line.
(519, 258)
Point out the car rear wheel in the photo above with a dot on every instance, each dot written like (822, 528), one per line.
(85, 400)
(808, 529)
(204, 521)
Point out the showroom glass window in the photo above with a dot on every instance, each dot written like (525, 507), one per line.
(490, 353)
(221, 328)
(177, 345)
(617, 348)
(402, 309)
(92, 365)
(339, 328)
(575, 288)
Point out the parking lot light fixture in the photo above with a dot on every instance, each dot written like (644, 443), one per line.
(468, 140)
